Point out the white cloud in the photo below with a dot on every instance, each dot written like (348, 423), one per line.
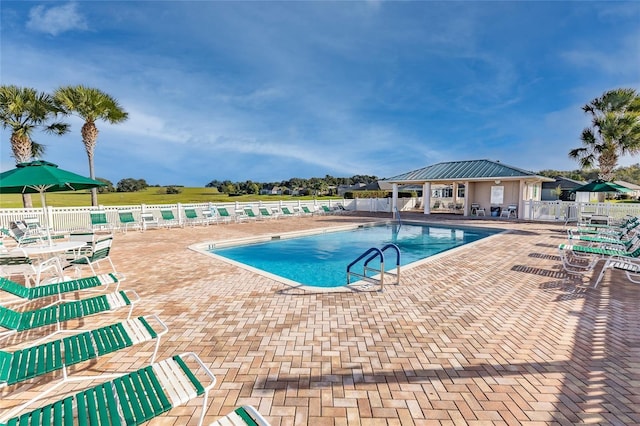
(56, 20)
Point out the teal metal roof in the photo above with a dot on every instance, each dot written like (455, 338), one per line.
(455, 170)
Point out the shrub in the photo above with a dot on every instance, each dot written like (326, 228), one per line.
(173, 190)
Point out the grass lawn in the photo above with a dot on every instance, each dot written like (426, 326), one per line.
(152, 195)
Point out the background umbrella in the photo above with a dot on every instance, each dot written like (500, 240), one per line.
(600, 185)
(40, 177)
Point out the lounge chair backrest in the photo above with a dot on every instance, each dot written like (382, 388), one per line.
(98, 218)
(222, 211)
(167, 215)
(126, 217)
(190, 213)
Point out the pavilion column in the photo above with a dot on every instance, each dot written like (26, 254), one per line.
(394, 200)
(521, 191)
(426, 197)
(466, 211)
(455, 194)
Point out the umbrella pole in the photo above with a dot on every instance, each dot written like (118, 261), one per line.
(46, 217)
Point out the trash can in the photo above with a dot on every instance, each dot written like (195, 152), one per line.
(495, 211)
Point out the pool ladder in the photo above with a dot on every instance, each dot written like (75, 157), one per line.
(370, 255)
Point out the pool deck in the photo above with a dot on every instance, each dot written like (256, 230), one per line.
(489, 334)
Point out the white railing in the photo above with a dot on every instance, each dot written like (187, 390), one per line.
(67, 219)
(563, 211)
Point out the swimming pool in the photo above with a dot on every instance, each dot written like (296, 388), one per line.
(320, 260)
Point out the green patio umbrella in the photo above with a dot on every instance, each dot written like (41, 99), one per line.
(600, 185)
(40, 177)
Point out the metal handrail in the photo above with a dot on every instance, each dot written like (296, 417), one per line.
(376, 252)
(397, 250)
(373, 253)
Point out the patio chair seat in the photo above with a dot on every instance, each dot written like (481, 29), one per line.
(133, 398)
(56, 355)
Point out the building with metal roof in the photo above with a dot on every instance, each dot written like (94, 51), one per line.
(492, 185)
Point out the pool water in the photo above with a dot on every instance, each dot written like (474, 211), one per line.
(321, 260)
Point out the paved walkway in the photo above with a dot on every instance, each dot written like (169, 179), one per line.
(488, 334)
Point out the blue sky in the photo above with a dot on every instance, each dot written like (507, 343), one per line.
(271, 90)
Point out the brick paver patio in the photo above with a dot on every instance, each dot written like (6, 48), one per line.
(488, 334)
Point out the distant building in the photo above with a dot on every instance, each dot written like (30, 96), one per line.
(276, 190)
(635, 189)
(566, 186)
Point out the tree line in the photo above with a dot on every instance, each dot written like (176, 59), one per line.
(614, 132)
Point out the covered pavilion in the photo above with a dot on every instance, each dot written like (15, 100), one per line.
(486, 183)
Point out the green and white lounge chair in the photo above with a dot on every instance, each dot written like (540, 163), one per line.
(16, 321)
(25, 294)
(224, 214)
(242, 416)
(99, 221)
(286, 212)
(609, 241)
(264, 213)
(129, 399)
(601, 251)
(191, 217)
(248, 211)
(580, 259)
(128, 221)
(326, 209)
(306, 211)
(168, 219)
(34, 361)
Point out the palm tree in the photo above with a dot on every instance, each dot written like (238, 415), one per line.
(24, 110)
(90, 105)
(614, 131)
